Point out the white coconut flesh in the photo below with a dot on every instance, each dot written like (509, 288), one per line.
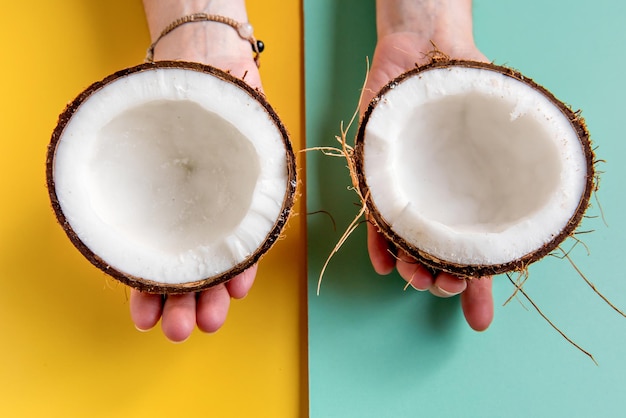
(471, 166)
(171, 175)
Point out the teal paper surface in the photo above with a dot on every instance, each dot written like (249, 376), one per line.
(376, 350)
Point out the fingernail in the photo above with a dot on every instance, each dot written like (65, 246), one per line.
(437, 291)
(176, 342)
(417, 288)
(141, 329)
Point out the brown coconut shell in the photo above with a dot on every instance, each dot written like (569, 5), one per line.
(140, 283)
(465, 270)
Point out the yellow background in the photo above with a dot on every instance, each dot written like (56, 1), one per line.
(68, 346)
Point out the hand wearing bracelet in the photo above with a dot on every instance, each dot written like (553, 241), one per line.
(244, 30)
(209, 41)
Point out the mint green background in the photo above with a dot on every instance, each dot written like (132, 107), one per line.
(379, 351)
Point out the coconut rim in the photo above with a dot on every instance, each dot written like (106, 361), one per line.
(152, 286)
(469, 270)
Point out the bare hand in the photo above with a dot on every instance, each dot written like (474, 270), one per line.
(396, 53)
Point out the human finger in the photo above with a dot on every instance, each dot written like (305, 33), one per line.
(414, 272)
(477, 303)
(179, 316)
(378, 248)
(446, 285)
(145, 309)
(239, 286)
(212, 308)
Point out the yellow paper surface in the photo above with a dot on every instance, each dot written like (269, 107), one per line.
(68, 346)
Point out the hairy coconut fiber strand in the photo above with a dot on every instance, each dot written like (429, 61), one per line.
(173, 176)
(473, 168)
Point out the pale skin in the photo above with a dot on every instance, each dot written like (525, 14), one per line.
(218, 45)
(405, 30)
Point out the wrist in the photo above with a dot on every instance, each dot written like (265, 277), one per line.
(200, 41)
(445, 23)
(161, 13)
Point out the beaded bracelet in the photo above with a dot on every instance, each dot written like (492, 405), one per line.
(244, 30)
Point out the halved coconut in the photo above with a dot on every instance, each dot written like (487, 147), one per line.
(171, 176)
(472, 168)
